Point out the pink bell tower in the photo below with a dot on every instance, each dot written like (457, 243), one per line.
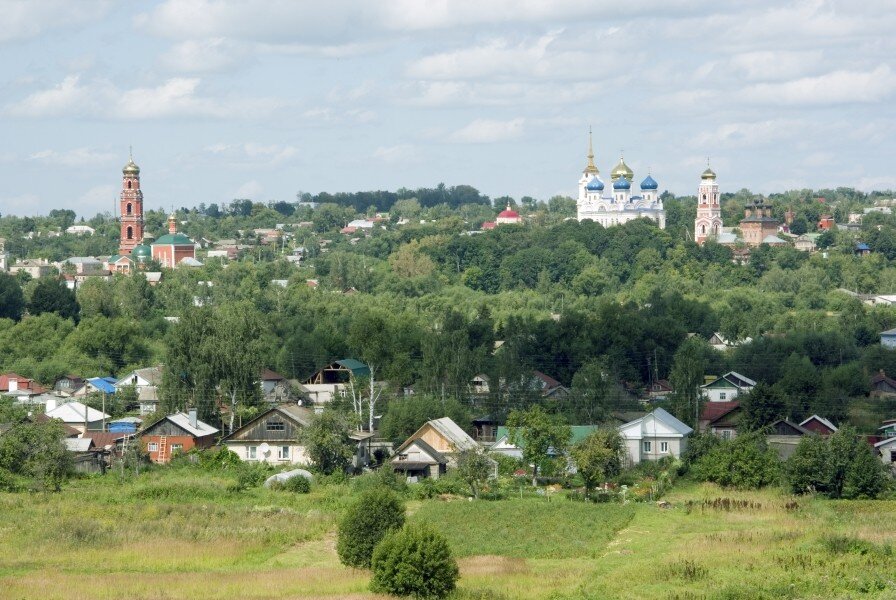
(131, 208)
(708, 223)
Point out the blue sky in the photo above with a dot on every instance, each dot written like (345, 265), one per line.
(266, 98)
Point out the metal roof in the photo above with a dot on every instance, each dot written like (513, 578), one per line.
(73, 412)
(355, 366)
(103, 384)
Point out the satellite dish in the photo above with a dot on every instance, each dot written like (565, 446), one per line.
(264, 449)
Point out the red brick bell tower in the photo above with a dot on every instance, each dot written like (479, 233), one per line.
(131, 207)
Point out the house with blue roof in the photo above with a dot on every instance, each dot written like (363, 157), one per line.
(96, 385)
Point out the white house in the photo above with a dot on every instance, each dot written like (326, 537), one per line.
(77, 416)
(272, 436)
(654, 436)
(727, 387)
(146, 382)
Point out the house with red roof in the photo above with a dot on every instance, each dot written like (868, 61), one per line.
(720, 418)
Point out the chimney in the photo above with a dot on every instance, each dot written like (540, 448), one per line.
(13, 384)
(193, 420)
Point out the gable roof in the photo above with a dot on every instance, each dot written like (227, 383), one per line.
(297, 414)
(73, 412)
(355, 366)
(182, 420)
(663, 417)
(78, 444)
(579, 433)
(435, 454)
(881, 377)
(269, 375)
(103, 384)
(713, 411)
(452, 432)
(782, 425)
(733, 378)
(151, 374)
(821, 420)
(547, 382)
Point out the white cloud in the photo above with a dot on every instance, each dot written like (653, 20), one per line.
(434, 94)
(100, 198)
(253, 154)
(838, 87)
(401, 153)
(175, 97)
(204, 56)
(748, 134)
(77, 157)
(484, 131)
(24, 19)
(251, 189)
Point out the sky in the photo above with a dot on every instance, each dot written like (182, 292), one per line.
(264, 99)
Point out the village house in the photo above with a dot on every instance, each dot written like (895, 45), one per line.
(886, 447)
(721, 343)
(96, 385)
(272, 436)
(35, 267)
(783, 437)
(882, 386)
(77, 416)
(432, 449)
(727, 387)
(654, 436)
(818, 425)
(331, 381)
(720, 419)
(505, 447)
(146, 383)
(180, 432)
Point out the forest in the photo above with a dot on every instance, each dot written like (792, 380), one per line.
(433, 301)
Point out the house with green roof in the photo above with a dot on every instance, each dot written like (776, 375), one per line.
(173, 247)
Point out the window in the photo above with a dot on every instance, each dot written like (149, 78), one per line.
(176, 448)
(726, 434)
(283, 453)
(647, 446)
(152, 447)
(276, 426)
(129, 187)
(130, 233)
(252, 452)
(722, 395)
(664, 447)
(129, 209)
(704, 196)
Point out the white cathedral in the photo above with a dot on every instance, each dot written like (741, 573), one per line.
(618, 205)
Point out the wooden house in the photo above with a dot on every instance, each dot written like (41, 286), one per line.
(272, 436)
(659, 389)
(180, 432)
(882, 386)
(432, 449)
(727, 387)
(720, 418)
(783, 436)
(818, 425)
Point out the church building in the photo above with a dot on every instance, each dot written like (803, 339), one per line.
(708, 223)
(619, 204)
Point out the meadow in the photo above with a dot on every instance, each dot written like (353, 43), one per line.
(184, 533)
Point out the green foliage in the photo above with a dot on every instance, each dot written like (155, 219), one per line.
(296, 485)
(374, 514)
(250, 475)
(12, 300)
(414, 561)
(745, 462)
(537, 432)
(839, 466)
(37, 451)
(598, 457)
(475, 468)
(699, 445)
(406, 415)
(762, 406)
(52, 295)
(327, 443)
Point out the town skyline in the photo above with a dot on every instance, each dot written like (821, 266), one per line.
(265, 100)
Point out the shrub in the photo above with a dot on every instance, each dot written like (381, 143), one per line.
(219, 458)
(367, 521)
(384, 477)
(414, 561)
(746, 462)
(297, 485)
(250, 475)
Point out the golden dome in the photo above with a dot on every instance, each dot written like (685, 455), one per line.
(622, 170)
(708, 174)
(131, 168)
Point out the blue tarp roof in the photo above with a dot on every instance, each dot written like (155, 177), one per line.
(103, 384)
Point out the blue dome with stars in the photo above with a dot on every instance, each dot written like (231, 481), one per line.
(595, 185)
(649, 184)
(622, 184)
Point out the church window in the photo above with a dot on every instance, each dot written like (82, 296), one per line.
(129, 208)
(704, 196)
(129, 185)
(703, 229)
(130, 233)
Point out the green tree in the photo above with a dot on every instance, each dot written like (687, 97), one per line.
(374, 514)
(37, 450)
(12, 300)
(52, 295)
(598, 457)
(326, 441)
(406, 415)
(414, 561)
(762, 406)
(537, 433)
(475, 468)
(686, 377)
(809, 468)
(746, 462)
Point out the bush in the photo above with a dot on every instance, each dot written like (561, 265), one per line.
(746, 462)
(414, 561)
(218, 458)
(446, 484)
(367, 521)
(384, 477)
(297, 485)
(250, 475)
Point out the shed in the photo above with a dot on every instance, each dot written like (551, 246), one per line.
(432, 449)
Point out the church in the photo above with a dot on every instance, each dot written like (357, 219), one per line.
(618, 204)
(136, 247)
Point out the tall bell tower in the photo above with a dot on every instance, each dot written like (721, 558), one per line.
(708, 223)
(131, 208)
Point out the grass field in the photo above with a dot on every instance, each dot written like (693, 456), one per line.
(184, 534)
